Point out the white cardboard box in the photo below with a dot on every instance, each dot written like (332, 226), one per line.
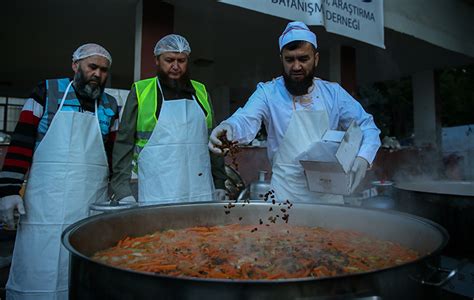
(331, 174)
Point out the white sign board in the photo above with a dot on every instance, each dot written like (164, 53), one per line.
(358, 19)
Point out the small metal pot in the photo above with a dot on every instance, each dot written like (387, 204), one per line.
(382, 197)
(109, 207)
(257, 189)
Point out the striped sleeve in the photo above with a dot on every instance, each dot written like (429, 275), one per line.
(20, 151)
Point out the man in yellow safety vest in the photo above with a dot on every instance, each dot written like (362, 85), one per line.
(164, 131)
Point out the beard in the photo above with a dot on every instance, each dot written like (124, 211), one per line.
(299, 87)
(181, 84)
(84, 87)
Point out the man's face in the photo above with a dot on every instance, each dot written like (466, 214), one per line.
(298, 67)
(172, 64)
(90, 76)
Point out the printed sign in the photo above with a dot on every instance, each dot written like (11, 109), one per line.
(358, 19)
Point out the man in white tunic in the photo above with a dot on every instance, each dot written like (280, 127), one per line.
(297, 108)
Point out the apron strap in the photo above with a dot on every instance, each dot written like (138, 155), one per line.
(64, 96)
(61, 104)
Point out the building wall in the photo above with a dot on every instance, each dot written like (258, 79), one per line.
(445, 23)
(458, 151)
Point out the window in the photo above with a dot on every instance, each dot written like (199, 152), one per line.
(10, 109)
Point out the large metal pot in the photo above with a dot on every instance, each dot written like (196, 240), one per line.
(93, 280)
(449, 203)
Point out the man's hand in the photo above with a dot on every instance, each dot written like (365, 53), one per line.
(358, 172)
(215, 142)
(7, 205)
(221, 195)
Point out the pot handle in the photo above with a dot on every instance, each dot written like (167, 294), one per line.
(438, 270)
(243, 194)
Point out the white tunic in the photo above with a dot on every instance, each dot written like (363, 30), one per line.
(272, 104)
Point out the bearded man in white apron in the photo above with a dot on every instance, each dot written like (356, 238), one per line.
(68, 123)
(297, 108)
(164, 133)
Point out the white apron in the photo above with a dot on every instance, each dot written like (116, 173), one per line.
(288, 178)
(174, 165)
(69, 172)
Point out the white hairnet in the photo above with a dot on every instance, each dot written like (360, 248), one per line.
(297, 31)
(172, 43)
(88, 50)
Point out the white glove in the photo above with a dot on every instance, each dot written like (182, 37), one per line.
(7, 205)
(218, 131)
(128, 199)
(358, 172)
(221, 195)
